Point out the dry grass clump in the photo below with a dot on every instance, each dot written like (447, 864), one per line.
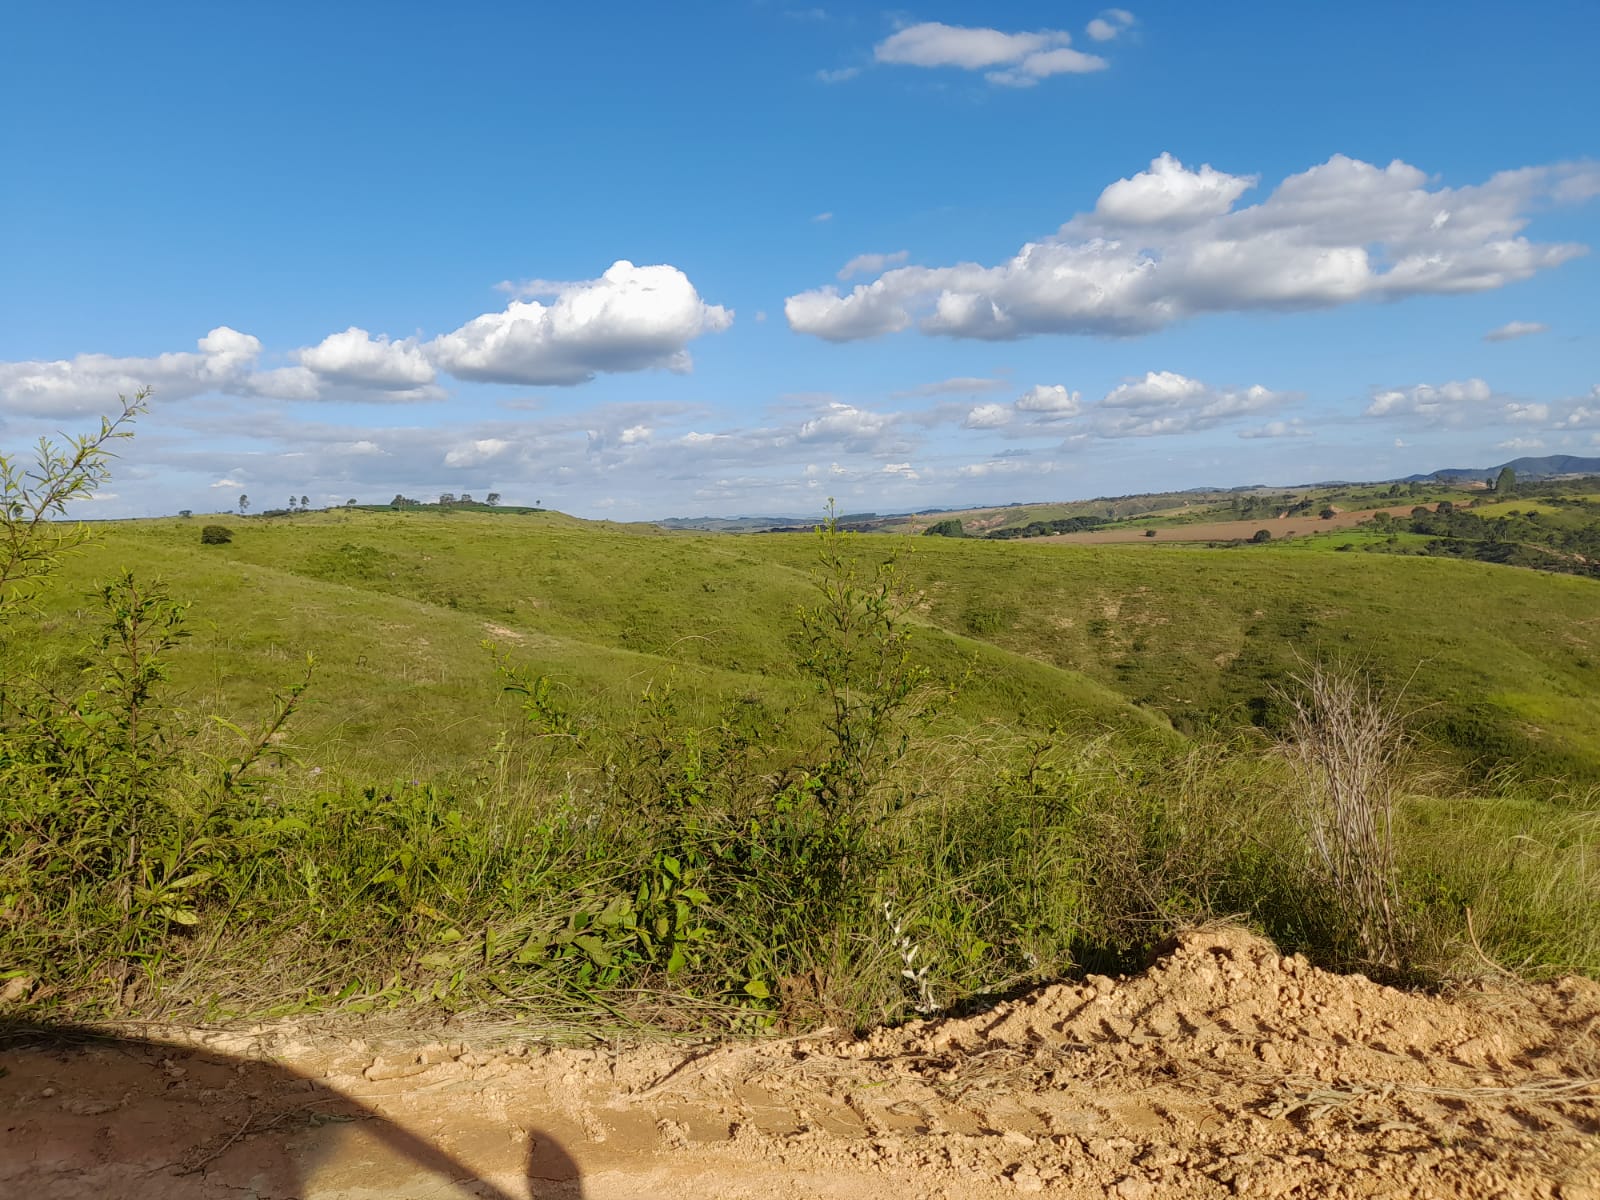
(1350, 749)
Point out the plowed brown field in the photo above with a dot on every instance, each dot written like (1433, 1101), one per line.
(1228, 531)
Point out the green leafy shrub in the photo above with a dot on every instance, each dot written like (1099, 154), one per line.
(216, 535)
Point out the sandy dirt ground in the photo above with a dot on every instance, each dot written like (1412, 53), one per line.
(1223, 1070)
(1227, 531)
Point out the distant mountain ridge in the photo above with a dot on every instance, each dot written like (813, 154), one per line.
(1526, 468)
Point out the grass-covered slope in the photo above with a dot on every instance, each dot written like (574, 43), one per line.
(1505, 662)
(757, 845)
(396, 609)
(396, 606)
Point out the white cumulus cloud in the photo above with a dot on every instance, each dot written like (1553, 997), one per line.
(356, 357)
(224, 361)
(1169, 243)
(476, 452)
(844, 422)
(988, 416)
(1165, 402)
(1050, 401)
(1442, 404)
(630, 319)
(1021, 59)
(1169, 193)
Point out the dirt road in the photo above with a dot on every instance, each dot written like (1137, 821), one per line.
(1224, 1070)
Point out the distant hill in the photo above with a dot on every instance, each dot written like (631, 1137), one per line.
(1526, 468)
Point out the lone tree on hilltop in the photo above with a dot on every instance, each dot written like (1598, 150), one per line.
(1506, 484)
(244, 504)
(492, 499)
(305, 501)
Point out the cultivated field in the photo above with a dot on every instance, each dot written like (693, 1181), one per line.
(1230, 531)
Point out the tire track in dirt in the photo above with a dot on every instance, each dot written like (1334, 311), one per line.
(1226, 1069)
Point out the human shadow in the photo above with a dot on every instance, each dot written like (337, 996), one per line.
(83, 1112)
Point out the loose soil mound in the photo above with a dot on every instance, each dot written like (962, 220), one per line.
(1223, 1070)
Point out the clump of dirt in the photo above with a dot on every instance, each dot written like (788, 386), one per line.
(1226, 1069)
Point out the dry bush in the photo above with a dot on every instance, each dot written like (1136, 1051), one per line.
(1350, 749)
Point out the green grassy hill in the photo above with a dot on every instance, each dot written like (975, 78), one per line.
(396, 605)
(717, 858)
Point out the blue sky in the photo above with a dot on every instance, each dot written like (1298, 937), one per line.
(654, 260)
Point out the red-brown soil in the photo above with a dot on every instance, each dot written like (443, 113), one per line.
(1228, 531)
(1223, 1070)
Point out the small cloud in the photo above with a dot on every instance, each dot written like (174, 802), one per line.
(988, 416)
(806, 14)
(1520, 444)
(630, 319)
(873, 264)
(838, 76)
(1445, 404)
(1050, 401)
(1109, 24)
(821, 217)
(1277, 429)
(1020, 59)
(961, 385)
(227, 483)
(761, 315)
(1512, 330)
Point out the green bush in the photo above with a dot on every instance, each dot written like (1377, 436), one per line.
(216, 535)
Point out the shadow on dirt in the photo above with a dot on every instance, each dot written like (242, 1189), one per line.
(85, 1113)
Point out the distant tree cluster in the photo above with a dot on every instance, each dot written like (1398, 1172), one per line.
(445, 500)
(1046, 528)
(949, 527)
